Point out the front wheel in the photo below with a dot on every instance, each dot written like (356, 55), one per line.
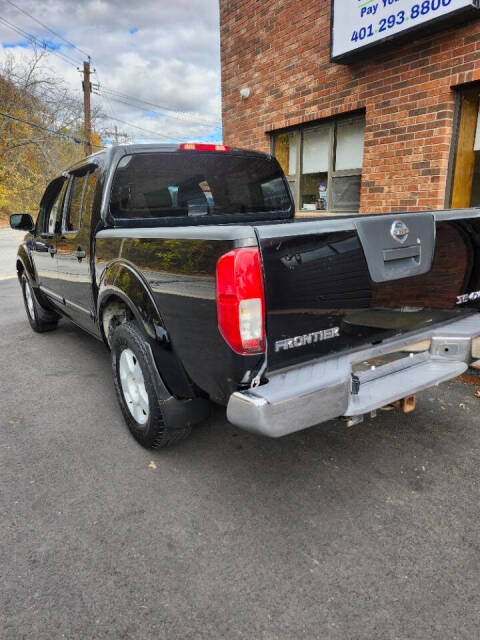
(40, 319)
(133, 375)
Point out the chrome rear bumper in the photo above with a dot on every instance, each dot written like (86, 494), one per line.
(303, 396)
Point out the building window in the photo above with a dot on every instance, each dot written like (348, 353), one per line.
(465, 189)
(285, 150)
(323, 163)
(315, 159)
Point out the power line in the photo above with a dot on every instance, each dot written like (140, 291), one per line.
(107, 94)
(155, 134)
(182, 115)
(129, 104)
(47, 28)
(38, 42)
(57, 133)
(87, 86)
(116, 134)
(109, 108)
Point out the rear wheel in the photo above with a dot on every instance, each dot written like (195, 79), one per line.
(40, 319)
(133, 386)
(133, 374)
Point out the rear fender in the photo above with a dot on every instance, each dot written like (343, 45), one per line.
(123, 281)
(120, 280)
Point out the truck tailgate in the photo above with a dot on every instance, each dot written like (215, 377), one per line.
(337, 285)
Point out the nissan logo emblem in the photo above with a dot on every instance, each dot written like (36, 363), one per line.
(399, 231)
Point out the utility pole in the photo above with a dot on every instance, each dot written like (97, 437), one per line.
(116, 134)
(87, 90)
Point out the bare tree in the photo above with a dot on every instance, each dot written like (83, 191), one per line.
(41, 129)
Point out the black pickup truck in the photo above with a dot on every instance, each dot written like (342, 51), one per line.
(187, 262)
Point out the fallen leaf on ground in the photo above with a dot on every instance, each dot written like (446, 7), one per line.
(469, 379)
(152, 465)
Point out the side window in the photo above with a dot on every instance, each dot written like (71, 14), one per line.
(56, 208)
(51, 206)
(89, 195)
(74, 211)
(81, 195)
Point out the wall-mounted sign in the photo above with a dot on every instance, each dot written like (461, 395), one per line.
(357, 24)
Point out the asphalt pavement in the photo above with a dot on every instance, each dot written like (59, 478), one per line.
(9, 241)
(332, 533)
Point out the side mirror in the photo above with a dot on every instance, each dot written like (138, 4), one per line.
(22, 222)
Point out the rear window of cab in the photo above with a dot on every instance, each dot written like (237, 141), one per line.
(197, 185)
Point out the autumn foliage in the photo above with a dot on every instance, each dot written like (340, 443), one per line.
(32, 154)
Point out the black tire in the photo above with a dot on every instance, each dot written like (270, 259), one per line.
(155, 432)
(40, 319)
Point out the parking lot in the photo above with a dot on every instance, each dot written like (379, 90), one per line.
(331, 533)
(9, 241)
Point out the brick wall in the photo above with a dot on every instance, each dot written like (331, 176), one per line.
(280, 49)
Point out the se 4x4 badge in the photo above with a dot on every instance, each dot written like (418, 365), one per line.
(307, 338)
(468, 297)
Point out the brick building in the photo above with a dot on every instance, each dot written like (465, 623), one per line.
(391, 128)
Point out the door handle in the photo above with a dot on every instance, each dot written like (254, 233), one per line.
(39, 246)
(401, 253)
(80, 254)
(51, 250)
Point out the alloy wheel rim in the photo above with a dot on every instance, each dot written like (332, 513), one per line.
(133, 386)
(29, 299)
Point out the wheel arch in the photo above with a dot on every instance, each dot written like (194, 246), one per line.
(24, 264)
(121, 283)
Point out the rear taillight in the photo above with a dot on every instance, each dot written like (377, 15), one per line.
(241, 300)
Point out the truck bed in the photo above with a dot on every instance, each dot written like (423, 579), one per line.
(350, 276)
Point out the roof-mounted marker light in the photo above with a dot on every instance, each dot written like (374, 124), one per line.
(199, 146)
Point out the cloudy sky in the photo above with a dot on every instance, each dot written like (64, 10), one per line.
(162, 52)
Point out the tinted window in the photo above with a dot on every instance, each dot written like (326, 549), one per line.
(82, 191)
(89, 193)
(56, 209)
(51, 206)
(197, 184)
(72, 219)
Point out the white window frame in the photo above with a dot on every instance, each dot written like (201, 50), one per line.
(295, 180)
